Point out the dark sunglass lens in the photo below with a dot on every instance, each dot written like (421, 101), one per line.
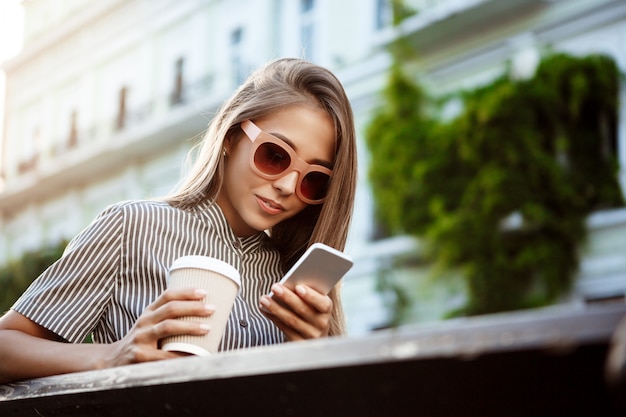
(271, 159)
(315, 185)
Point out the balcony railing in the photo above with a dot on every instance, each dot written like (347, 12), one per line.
(136, 116)
(537, 363)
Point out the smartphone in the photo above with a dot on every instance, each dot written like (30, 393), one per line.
(320, 268)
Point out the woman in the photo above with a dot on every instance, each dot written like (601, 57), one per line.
(275, 172)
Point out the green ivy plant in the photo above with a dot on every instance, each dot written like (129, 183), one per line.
(17, 275)
(501, 191)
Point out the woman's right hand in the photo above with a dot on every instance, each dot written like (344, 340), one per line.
(28, 350)
(159, 320)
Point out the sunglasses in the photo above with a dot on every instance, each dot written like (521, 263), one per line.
(272, 158)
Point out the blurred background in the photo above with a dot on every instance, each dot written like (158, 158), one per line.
(103, 99)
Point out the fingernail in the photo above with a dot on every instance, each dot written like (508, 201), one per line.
(201, 293)
(265, 301)
(210, 308)
(300, 290)
(277, 289)
(205, 327)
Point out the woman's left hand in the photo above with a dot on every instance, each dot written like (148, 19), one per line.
(305, 313)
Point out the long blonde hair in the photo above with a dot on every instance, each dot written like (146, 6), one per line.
(282, 83)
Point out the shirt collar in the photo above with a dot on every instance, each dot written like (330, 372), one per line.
(213, 214)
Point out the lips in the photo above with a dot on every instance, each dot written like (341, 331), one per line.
(269, 206)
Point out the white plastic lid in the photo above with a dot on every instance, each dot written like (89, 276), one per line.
(208, 263)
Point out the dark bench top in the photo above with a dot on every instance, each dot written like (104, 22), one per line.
(532, 363)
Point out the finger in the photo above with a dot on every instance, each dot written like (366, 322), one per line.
(288, 321)
(322, 305)
(177, 309)
(313, 307)
(173, 310)
(145, 354)
(290, 299)
(290, 334)
(150, 335)
(177, 327)
(172, 294)
(318, 301)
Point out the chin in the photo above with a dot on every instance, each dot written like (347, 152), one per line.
(260, 224)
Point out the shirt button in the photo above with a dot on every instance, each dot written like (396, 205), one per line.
(237, 244)
(243, 323)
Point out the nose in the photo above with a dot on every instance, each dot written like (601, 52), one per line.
(287, 183)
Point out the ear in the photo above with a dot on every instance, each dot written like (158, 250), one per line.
(230, 141)
(227, 145)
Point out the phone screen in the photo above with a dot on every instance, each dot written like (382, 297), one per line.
(320, 268)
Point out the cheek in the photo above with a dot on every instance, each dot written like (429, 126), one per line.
(239, 177)
(237, 165)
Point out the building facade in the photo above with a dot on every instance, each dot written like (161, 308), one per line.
(107, 97)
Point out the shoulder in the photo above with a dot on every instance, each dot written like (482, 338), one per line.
(124, 214)
(133, 208)
(139, 205)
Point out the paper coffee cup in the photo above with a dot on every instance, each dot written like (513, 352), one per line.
(222, 282)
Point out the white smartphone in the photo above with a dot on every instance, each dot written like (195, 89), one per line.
(320, 268)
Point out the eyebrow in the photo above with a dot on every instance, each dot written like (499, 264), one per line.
(321, 162)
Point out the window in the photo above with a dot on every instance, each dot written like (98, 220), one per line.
(179, 83)
(307, 5)
(29, 152)
(307, 28)
(121, 108)
(72, 139)
(236, 60)
(384, 14)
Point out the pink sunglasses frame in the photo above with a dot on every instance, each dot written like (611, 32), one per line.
(253, 132)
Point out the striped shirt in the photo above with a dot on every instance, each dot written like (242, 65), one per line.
(119, 264)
